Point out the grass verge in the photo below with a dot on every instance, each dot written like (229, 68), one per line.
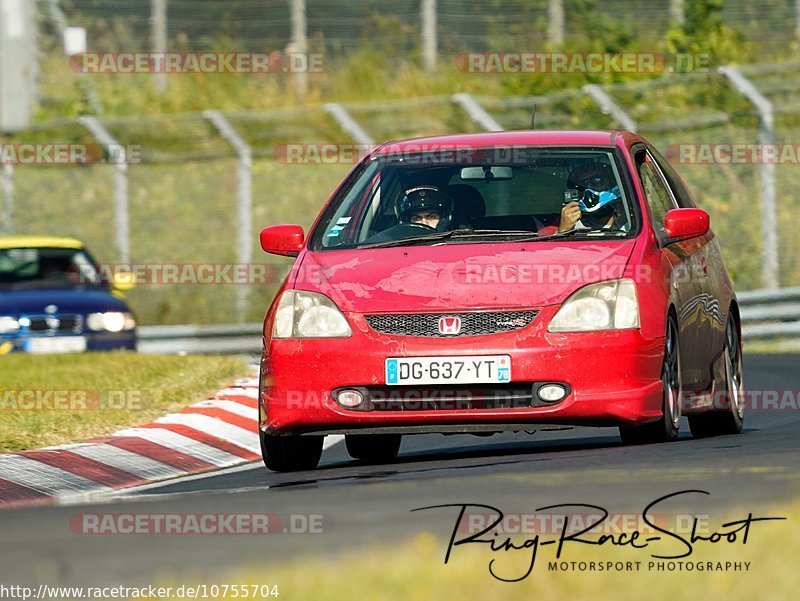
(49, 400)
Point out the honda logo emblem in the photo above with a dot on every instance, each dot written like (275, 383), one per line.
(450, 325)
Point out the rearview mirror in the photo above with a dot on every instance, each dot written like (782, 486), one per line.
(487, 173)
(683, 224)
(285, 240)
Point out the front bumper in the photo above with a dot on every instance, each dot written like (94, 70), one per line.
(613, 379)
(94, 341)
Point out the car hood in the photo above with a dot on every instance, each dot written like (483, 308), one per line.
(70, 301)
(460, 276)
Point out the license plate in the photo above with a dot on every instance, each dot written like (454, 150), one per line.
(478, 369)
(60, 344)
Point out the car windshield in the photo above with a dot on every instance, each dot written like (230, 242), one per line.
(489, 194)
(47, 267)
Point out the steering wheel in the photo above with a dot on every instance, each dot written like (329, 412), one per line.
(400, 231)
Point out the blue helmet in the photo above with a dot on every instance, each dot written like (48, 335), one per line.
(594, 202)
(595, 188)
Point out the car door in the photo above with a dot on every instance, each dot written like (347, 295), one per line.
(709, 274)
(681, 256)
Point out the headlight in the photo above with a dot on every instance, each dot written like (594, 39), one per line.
(8, 325)
(111, 321)
(603, 306)
(303, 314)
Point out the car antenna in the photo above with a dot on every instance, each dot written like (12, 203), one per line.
(533, 118)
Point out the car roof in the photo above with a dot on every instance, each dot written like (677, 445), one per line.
(513, 138)
(39, 242)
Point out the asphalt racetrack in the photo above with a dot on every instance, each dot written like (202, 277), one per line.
(358, 504)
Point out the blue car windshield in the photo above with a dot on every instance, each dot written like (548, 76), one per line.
(490, 194)
(47, 268)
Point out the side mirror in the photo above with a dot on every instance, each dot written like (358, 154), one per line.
(286, 240)
(683, 224)
(123, 281)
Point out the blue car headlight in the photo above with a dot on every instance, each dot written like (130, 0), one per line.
(110, 321)
(8, 325)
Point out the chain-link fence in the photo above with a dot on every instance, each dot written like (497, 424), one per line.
(337, 27)
(188, 194)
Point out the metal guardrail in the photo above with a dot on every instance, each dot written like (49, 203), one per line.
(765, 314)
(237, 339)
(779, 308)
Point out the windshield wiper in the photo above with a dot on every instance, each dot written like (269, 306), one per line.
(437, 236)
(574, 232)
(472, 232)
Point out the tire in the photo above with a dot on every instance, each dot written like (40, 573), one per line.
(665, 429)
(290, 453)
(730, 418)
(373, 448)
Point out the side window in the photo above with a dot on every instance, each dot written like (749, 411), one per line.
(682, 194)
(656, 192)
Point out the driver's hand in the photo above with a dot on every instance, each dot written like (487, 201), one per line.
(570, 215)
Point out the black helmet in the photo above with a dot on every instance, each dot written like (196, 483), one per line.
(425, 198)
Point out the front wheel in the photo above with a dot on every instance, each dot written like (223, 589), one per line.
(290, 453)
(373, 448)
(665, 429)
(730, 419)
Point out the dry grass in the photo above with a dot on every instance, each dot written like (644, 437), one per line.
(414, 570)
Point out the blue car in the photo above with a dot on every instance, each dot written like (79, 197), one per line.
(55, 299)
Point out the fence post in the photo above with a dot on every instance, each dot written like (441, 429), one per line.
(766, 137)
(677, 14)
(158, 34)
(797, 21)
(8, 199)
(349, 125)
(555, 22)
(244, 203)
(299, 45)
(118, 157)
(610, 107)
(476, 112)
(428, 31)
(60, 22)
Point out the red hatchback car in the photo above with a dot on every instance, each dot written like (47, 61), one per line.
(501, 281)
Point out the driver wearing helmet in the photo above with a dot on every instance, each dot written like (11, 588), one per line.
(592, 199)
(426, 206)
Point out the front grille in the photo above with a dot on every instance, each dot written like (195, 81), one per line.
(65, 323)
(472, 324)
(517, 395)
